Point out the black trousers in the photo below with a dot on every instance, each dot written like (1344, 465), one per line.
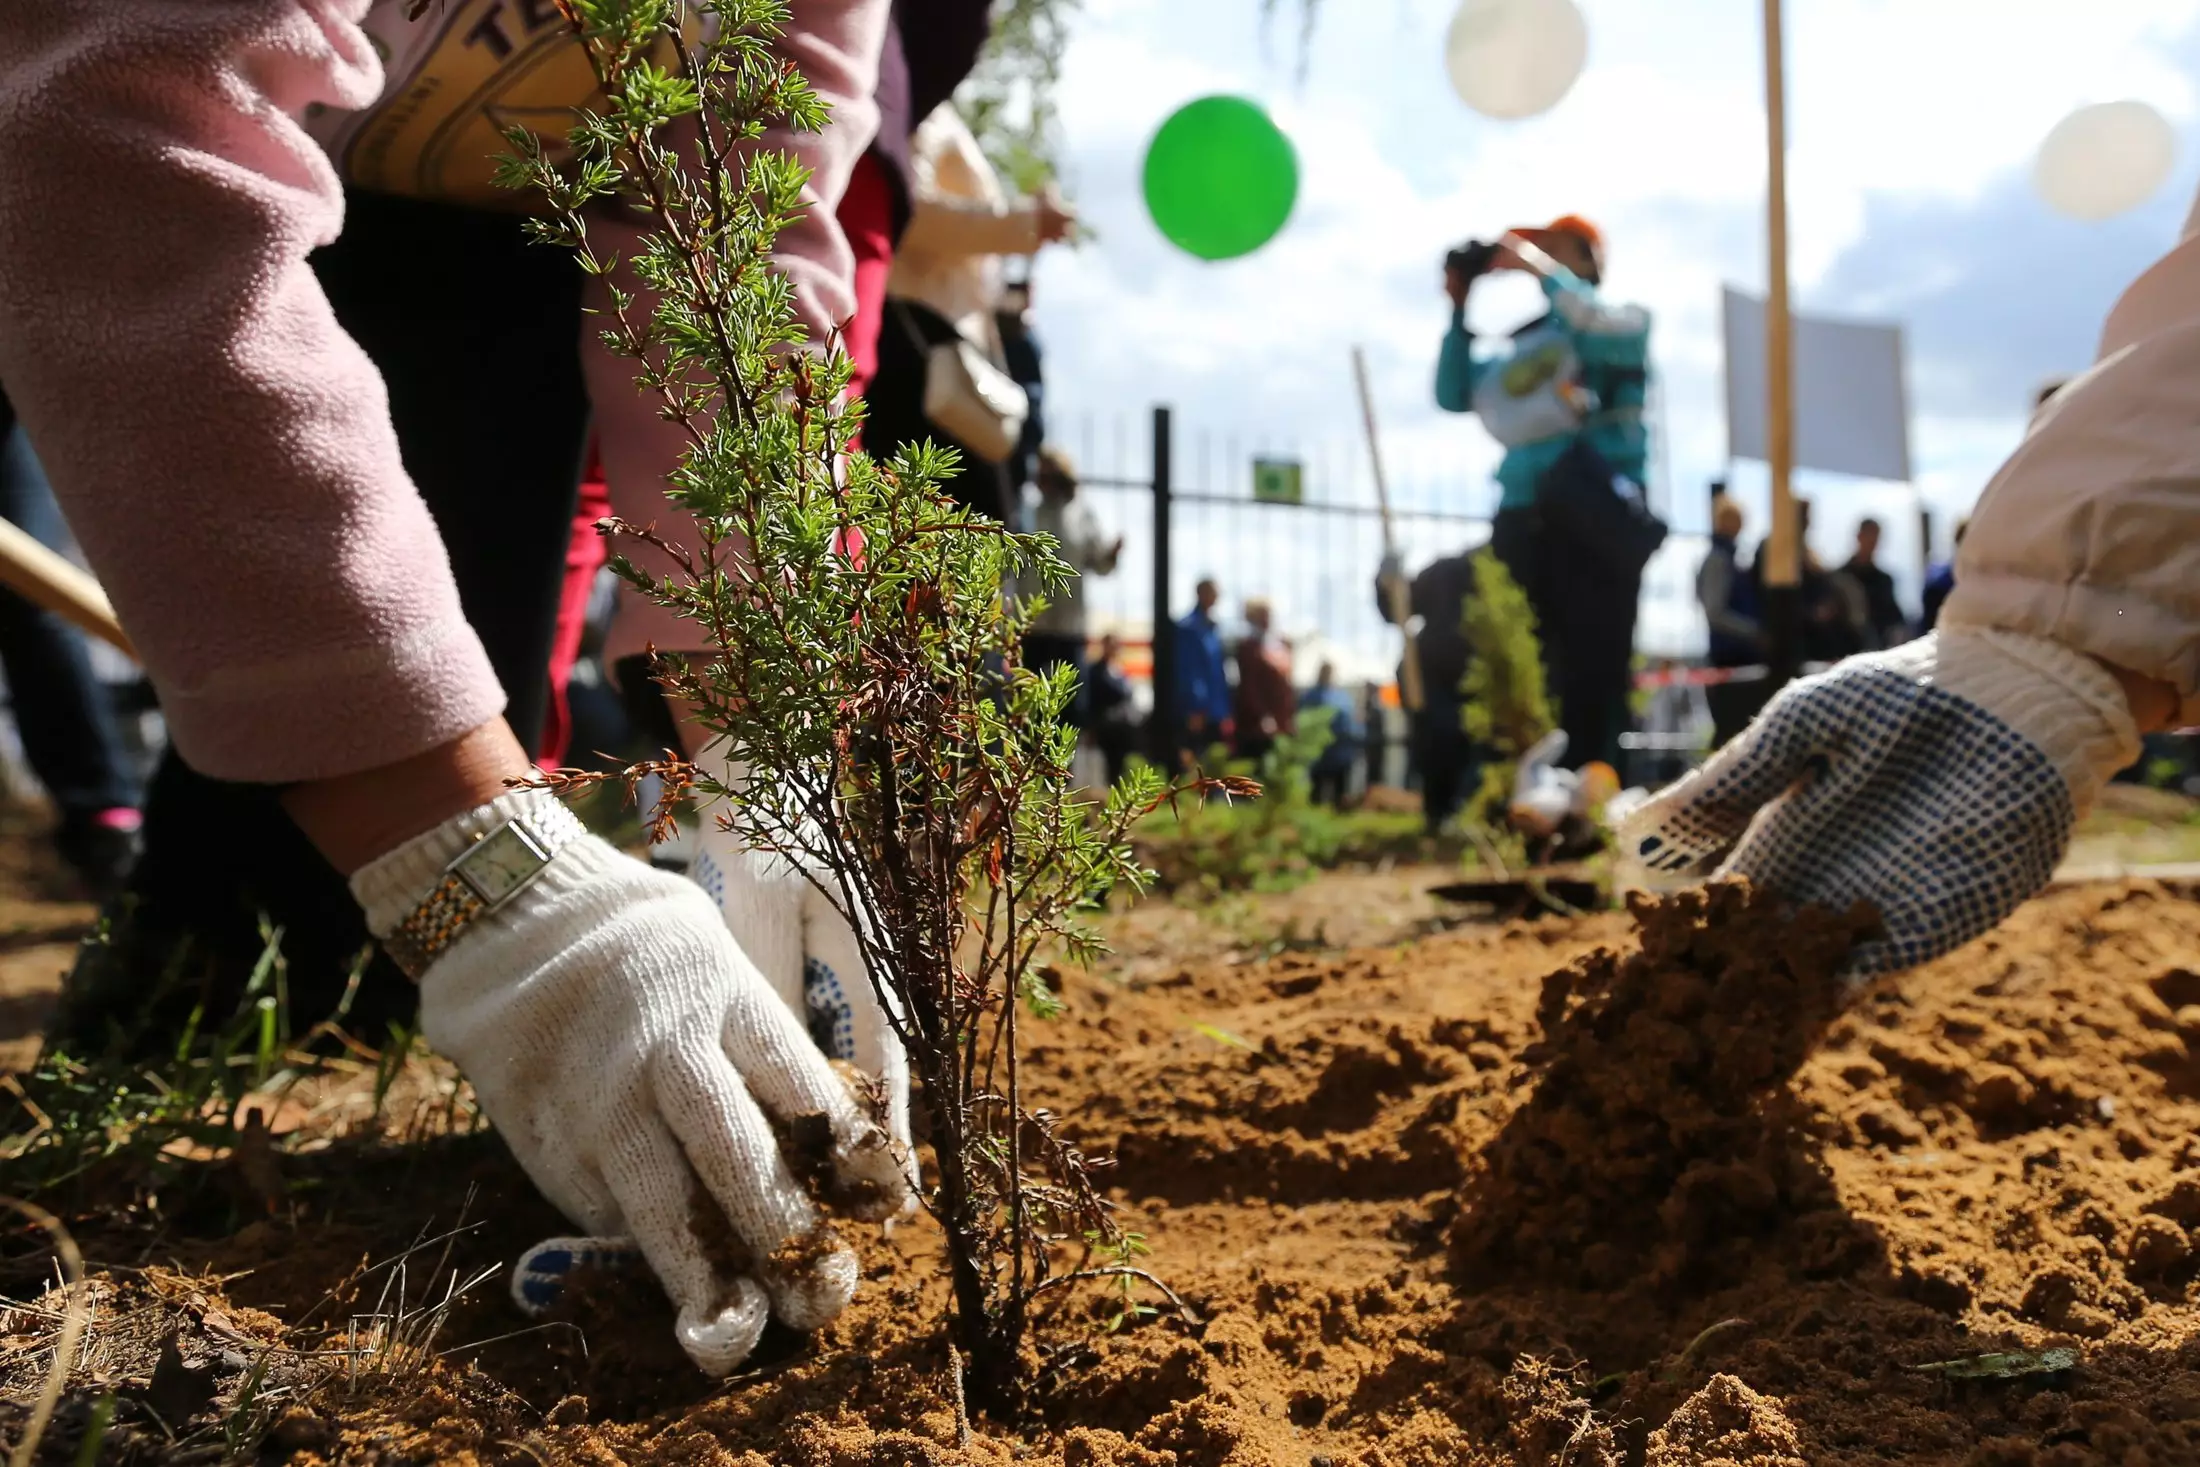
(1045, 651)
(1733, 705)
(1118, 740)
(1585, 620)
(1446, 757)
(63, 713)
(475, 329)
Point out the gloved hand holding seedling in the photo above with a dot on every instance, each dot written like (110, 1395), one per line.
(778, 915)
(892, 837)
(636, 1060)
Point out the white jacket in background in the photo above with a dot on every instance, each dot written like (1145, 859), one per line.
(961, 222)
(1087, 549)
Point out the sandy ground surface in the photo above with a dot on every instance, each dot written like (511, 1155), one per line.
(1537, 1193)
(41, 920)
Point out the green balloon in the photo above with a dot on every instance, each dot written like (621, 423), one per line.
(1220, 178)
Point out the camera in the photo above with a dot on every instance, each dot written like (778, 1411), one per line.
(1470, 259)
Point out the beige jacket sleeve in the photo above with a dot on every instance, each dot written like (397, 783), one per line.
(2090, 533)
(958, 206)
(961, 222)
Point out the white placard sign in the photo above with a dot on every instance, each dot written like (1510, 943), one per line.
(1852, 411)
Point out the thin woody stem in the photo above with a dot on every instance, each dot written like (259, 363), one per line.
(1118, 1271)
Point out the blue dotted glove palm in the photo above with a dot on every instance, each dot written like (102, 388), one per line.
(1938, 781)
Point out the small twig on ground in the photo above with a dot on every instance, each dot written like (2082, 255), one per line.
(527, 1447)
(533, 1329)
(1680, 1362)
(73, 1322)
(962, 1410)
(1540, 889)
(1493, 860)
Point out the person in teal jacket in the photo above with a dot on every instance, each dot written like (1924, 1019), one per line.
(1576, 376)
(1581, 369)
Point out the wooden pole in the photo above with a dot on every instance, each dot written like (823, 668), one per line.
(54, 583)
(1400, 598)
(1780, 559)
(1784, 564)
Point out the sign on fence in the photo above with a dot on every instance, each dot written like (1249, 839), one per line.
(1279, 481)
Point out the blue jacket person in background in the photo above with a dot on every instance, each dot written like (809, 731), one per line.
(1332, 767)
(1202, 674)
(1564, 395)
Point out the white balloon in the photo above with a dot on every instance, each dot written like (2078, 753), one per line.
(1510, 59)
(2104, 159)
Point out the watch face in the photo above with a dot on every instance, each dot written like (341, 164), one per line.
(501, 862)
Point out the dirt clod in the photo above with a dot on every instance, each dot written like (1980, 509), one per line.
(1726, 1424)
(1552, 1425)
(1646, 1149)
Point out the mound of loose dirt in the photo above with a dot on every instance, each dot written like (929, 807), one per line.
(1649, 1147)
(1550, 1194)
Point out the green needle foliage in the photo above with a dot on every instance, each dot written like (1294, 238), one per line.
(860, 663)
(1506, 704)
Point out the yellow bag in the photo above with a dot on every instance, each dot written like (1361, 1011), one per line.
(458, 74)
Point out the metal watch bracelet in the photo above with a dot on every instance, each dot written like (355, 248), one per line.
(496, 866)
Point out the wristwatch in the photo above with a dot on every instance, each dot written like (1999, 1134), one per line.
(498, 865)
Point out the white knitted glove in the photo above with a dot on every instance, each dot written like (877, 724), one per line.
(630, 1054)
(1938, 781)
(806, 950)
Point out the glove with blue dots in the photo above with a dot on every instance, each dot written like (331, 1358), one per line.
(1938, 781)
(805, 948)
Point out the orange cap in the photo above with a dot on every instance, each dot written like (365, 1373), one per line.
(1580, 228)
(1574, 225)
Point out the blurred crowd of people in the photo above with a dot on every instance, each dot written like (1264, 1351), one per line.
(1844, 609)
(1236, 697)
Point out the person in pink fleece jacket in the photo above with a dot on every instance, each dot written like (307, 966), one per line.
(225, 451)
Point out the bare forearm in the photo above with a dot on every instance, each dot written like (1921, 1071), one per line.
(353, 818)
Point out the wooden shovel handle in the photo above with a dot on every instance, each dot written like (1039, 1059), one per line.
(56, 584)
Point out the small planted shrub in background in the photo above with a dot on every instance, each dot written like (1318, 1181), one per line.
(1506, 702)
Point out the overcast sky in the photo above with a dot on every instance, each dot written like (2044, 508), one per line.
(1913, 124)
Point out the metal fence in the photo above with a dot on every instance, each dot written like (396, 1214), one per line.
(1182, 499)
(1183, 503)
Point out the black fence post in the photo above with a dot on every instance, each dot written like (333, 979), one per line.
(1163, 727)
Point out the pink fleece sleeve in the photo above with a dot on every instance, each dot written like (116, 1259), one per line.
(836, 45)
(222, 448)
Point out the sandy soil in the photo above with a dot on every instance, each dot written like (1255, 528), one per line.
(42, 917)
(1545, 1193)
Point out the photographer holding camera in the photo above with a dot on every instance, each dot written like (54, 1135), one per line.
(1565, 397)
